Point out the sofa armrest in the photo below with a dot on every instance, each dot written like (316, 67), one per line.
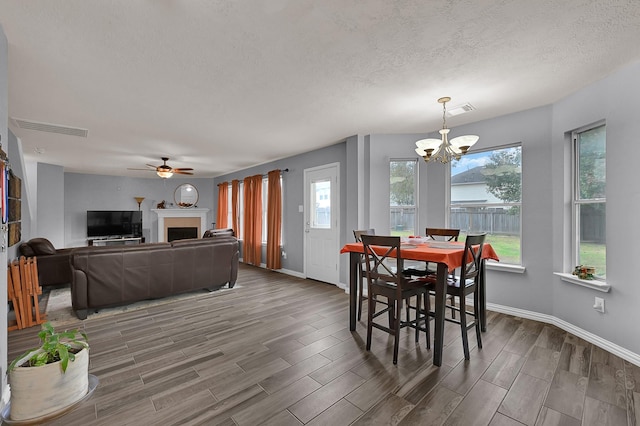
(79, 294)
(54, 269)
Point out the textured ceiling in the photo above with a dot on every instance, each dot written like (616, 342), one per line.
(224, 85)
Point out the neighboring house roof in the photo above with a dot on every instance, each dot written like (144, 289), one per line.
(474, 175)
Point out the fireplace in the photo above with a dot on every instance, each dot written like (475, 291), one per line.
(180, 218)
(181, 233)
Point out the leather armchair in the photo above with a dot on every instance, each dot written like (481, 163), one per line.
(53, 264)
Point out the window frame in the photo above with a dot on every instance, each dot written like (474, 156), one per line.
(576, 199)
(416, 193)
(516, 267)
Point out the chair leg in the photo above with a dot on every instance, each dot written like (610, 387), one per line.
(417, 317)
(452, 300)
(360, 295)
(463, 327)
(476, 312)
(427, 309)
(370, 320)
(397, 308)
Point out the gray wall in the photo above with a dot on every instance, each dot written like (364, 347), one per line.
(293, 196)
(545, 219)
(84, 192)
(50, 215)
(617, 100)
(546, 207)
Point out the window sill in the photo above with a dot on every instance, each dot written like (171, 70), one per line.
(505, 267)
(593, 284)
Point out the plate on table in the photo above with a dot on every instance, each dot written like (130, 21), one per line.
(408, 246)
(443, 245)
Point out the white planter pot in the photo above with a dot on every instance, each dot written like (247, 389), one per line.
(41, 391)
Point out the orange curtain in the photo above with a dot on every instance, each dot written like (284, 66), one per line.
(235, 207)
(252, 241)
(274, 220)
(223, 201)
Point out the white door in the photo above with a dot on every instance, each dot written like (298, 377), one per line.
(321, 223)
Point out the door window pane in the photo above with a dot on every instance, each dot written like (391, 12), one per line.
(321, 204)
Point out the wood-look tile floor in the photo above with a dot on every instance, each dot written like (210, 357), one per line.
(277, 350)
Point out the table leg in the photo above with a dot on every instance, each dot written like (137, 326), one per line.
(354, 262)
(483, 297)
(440, 301)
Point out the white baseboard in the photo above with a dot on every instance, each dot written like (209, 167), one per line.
(292, 273)
(577, 331)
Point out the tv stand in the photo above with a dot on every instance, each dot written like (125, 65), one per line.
(115, 241)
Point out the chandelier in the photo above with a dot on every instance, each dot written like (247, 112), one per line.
(444, 150)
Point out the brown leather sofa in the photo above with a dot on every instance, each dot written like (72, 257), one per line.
(53, 264)
(119, 275)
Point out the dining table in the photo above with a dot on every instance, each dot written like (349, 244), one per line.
(448, 257)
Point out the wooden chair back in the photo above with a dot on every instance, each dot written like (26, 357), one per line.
(473, 255)
(442, 234)
(383, 267)
(359, 233)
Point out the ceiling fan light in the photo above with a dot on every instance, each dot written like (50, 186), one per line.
(164, 174)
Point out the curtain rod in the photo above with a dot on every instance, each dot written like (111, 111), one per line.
(281, 172)
(264, 175)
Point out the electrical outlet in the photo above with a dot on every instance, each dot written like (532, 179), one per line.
(599, 304)
(284, 254)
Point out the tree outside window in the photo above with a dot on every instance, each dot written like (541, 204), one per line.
(486, 196)
(402, 196)
(590, 199)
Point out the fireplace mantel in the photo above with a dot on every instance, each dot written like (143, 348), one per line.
(186, 214)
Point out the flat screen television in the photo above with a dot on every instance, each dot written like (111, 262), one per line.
(112, 223)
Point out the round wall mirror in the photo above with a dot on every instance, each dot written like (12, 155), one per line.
(185, 196)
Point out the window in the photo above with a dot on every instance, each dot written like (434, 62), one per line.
(321, 204)
(265, 197)
(240, 209)
(589, 198)
(486, 196)
(403, 178)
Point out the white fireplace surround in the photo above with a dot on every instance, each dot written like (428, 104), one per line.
(183, 214)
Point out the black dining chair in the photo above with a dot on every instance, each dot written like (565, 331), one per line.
(460, 287)
(435, 234)
(384, 278)
(362, 271)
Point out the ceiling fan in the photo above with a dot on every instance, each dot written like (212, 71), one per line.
(165, 171)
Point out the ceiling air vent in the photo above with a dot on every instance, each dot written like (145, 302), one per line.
(50, 128)
(461, 109)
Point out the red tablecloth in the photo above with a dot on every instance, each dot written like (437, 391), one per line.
(452, 257)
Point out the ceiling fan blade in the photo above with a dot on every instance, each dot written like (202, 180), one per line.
(182, 169)
(146, 170)
(181, 172)
(152, 166)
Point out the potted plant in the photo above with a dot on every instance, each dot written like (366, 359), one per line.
(48, 379)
